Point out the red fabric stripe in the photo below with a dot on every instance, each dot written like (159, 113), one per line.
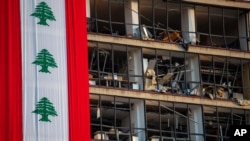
(10, 71)
(77, 58)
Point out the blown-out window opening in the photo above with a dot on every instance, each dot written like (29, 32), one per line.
(167, 72)
(171, 21)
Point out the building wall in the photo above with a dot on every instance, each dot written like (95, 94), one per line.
(140, 42)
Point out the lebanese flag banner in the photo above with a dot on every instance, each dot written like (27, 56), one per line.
(44, 90)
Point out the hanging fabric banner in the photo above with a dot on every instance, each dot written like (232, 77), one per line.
(45, 92)
(10, 72)
(44, 67)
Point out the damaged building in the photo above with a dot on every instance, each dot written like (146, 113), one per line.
(168, 70)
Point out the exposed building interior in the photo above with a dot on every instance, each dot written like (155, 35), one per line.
(164, 71)
(121, 118)
(147, 56)
(170, 20)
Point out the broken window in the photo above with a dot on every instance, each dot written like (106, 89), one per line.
(171, 21)
(231, 29)
(247, 115)
(163, 70)
(221, 27)
(167, 119)
(110, 118)
(107, 17)
(238, 117)
(119, 66)
(211, 123)
(170, 71)
(153, 118)
(160, 17)
(203, 28)
(217, 121)
(115, 65)
(146, 17)
(181, 120)
(234, 76)
(224, 119)
(179, 67)
(160, 20)
(173, 121)
(221, 77)
(149, 62)
(122, 119)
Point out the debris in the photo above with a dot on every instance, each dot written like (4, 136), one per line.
(210, 95)
(220, 92)
(243, 102)
(170, 36)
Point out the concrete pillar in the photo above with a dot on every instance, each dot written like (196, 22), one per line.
(193, 73)
(134, 66)
(87, 8)
(248, 27)
(188, 25)
(132, 17)
(248, 117)
(195, 113)
(246, 81)
(242, 32)
(138, 119)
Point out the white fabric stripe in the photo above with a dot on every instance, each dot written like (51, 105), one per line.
(37, 85)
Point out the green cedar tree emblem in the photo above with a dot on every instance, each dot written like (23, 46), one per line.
(45, 60)
(45, 108)
(43, 12)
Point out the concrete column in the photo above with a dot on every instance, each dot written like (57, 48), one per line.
(193, 73)
(242, 32)
(88, 8)
(188, 25)
(134, 66)
(246, 81)
(248, 118)
(138, 119)
(248, 27)
(131, 17)
(195, 124)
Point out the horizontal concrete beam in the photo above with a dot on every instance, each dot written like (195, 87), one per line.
(223, 3)
(165, 97)
(167, 46)
(133, 42)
